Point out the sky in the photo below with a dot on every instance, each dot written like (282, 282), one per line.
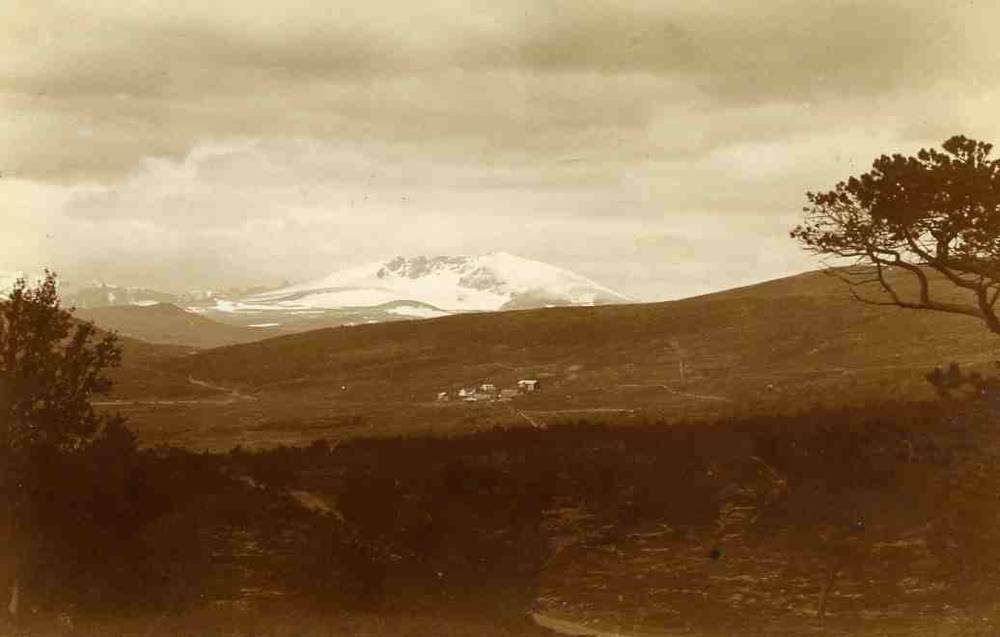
(663, 148)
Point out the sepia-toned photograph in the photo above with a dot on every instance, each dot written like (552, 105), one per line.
(528, 318)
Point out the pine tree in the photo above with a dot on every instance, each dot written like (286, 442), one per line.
(51, 366)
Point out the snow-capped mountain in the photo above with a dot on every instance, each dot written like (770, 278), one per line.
(433, 286)
(398, 289)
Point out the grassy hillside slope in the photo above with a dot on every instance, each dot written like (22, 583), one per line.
(168, 324)
(781, 346)
(785, 334)
(145, 373)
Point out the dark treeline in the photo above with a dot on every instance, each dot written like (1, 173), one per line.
(472, 519)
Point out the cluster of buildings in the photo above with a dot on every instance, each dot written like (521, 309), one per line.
(488, 392)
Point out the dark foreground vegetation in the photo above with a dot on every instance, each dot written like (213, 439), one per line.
(870, 519)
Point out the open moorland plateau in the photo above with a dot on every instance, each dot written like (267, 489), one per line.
(766, 460)
(778, 347)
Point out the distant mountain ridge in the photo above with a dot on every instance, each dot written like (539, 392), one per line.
(95, 293)
(98, 294)
(490, 282)
(402, 288)
(104, 295)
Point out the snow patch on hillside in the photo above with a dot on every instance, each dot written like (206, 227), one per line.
(417, 311)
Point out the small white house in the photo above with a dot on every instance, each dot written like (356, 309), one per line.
(528, 385)
(443, 396)
(487, 388)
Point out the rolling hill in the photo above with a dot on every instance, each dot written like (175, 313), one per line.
(145, 373)
(779, 346)
(799, 326)
(164, 323)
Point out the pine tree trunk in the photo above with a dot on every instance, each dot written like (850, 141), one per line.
(15, 547)
(824, 592)
(13, 606)
(14, 601)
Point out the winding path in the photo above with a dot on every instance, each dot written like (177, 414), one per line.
(233, 392)
(675, 392)
(567, 627)
(233, 395)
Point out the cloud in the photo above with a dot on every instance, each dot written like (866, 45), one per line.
(658, 146)
(254, 211)
(514, 77)
(749, 51)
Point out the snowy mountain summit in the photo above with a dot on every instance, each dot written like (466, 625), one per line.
(431, 286)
